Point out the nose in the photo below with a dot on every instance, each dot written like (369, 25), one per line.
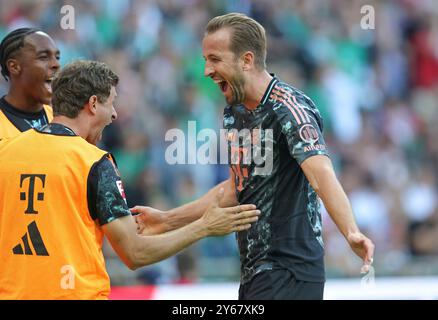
(208, 70)
(54, 64)
(114, 115)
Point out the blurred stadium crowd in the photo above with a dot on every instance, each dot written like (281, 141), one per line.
(377, 90)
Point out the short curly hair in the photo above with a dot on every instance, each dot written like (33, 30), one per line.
(77, 82)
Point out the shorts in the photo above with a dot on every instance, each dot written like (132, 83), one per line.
(280, 284)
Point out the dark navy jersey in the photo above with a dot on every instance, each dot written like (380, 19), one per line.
(23, 120)
(266, 147)
(105, 193)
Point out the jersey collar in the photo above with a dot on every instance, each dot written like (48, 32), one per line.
(271, 85)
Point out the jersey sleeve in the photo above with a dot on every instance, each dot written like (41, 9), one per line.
(106, 196)
(301, 125)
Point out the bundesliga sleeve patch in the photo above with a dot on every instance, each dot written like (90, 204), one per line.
(121, 189)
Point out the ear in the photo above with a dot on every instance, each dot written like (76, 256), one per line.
(91, 105)
(13, 66)
(248, 60)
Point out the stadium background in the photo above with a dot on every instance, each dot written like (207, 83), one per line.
(377, 90)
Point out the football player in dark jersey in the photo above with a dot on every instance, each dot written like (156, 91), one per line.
(278, 161)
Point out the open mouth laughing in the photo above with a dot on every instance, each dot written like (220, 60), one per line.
(223, 85)
(48, 83)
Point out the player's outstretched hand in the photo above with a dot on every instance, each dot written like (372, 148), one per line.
(221, 221)
(149, 220)
(363, 247)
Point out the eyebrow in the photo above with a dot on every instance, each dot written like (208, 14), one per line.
(212, 55)
(48, 51)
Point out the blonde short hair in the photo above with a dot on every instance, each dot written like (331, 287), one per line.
(248, 35)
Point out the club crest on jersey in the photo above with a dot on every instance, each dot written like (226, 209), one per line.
(309, 134)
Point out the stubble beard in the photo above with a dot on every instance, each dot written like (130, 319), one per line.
(237, 84)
